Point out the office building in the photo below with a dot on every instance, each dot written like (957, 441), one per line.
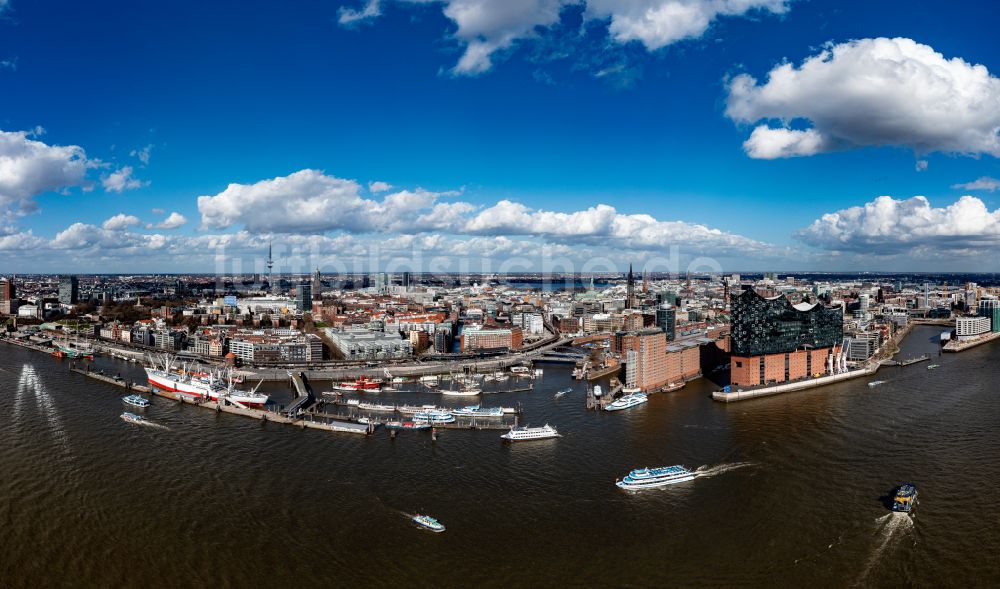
(491, 338)
(69, 290)
(630, 289)
(303, 297)
(990, 308)
(666, 320)
(366, 344)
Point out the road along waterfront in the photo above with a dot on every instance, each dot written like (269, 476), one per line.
(790, 490)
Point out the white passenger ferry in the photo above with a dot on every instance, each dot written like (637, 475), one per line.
(630, 400)
(649, 478)
(434, 417)
(521, 434)
(478, 411)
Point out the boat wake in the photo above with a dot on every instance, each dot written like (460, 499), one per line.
(711, 471)
(890, 528)
(30, 385)
(150, 424)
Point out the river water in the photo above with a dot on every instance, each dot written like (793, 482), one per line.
(791, 489)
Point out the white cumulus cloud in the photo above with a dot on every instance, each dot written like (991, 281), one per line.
(121, 180)
(173, 221)
(889, 226)
(29, 167)
(870, 92)
(121, 221)
(379, 186)
(310, 201)
(658, 23)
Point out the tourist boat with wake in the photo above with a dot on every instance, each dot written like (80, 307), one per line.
(132, 417)
(649, 478)
(906, 498)
(630, 400)
(478, 411)
(136, 401)
(525, 433)
(429, 523)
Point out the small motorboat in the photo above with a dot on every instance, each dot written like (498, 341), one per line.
(132, 417)
(563, 392)
(905, 499)
(428, 522)
(875, 383)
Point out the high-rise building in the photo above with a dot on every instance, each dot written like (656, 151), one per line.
(666, 319)
(303, 297)
(382, 282)
(773, 340)
(406, 281)
(7, 290)
(69, 290)
(629, 288)
(8, 297)
(646, 360)
(990, 308)
(317, 286)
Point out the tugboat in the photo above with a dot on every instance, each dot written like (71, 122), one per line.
(428, 522)
(906, 498)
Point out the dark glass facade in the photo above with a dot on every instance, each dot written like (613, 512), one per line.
(774, 326)
(666, 318)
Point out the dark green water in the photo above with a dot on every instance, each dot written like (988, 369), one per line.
(790, 493)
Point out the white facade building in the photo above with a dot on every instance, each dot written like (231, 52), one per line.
(970, 327)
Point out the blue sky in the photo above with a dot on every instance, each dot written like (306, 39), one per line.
(565, 116)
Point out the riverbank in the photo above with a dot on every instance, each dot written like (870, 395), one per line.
(962, 345)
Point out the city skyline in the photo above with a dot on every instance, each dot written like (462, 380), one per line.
(459, 137)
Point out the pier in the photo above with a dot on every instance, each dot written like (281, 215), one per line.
(222, 406)
(907, 362)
